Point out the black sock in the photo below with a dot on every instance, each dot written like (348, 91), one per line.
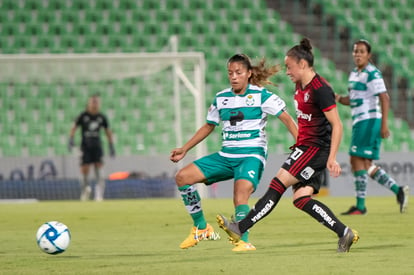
(321, 213)
(264, 205)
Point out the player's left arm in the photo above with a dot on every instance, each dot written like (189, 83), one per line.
(333, 117)
(385, 106)
(109, 136)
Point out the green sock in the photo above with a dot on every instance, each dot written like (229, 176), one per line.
(361, 180)
(384, 179)
(241, 212)
(192, 202)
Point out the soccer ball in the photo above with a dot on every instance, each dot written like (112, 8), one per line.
(53, 237)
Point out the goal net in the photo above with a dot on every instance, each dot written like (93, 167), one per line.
(154, 102)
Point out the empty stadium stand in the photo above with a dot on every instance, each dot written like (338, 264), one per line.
(36, 117)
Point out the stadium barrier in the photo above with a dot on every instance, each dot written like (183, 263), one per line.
(69, 189)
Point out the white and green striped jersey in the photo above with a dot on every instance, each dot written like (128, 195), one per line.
(244, 120)
(364, 88)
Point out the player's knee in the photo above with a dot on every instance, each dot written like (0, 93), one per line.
(180, 178)
(185, 177)
(372, 170)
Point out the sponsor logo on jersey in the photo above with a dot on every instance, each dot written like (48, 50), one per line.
(228, 136)
(224, 102)
(249, 100)
(263, 212)
(324, 215)
(302, 115)
(307, 173)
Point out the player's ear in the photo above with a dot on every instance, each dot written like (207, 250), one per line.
(249, 73)
(302, 63)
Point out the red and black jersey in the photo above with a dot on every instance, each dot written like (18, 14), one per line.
(317, 97)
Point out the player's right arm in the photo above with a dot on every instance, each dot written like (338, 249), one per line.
(290, 124)
(71, 136)
(178, 153)
(75, 125)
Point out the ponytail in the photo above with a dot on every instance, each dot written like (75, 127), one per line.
(302, 51)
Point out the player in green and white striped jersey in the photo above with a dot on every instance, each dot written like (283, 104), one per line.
(243, 110)
(369, 103)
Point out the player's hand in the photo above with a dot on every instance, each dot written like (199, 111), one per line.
(111, 150)
(385, 132)
(71, 143)
(334, 168)
(177, 154)
(337, 97)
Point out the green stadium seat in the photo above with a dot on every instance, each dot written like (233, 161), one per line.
(198, 4)
(22, 16)
(152, 28)
(11, 151)
(9, 5)
(32, 5)
(176, 28)
(10, 29)
(116, 15)
(94, 15)
(220, 4)
(69, 16)
(83, 5)
(129, 4)
(222, 27)
(4, 16)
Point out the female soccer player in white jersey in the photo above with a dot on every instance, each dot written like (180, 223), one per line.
(369, 125)
(243, 109)
(319, 135)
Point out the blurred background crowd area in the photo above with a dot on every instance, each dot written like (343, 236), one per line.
(36, 116)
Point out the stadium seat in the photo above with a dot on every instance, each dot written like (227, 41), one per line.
(222, 27)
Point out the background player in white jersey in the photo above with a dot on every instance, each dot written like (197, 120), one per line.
(369, 103)
(91, 121)
(243, 110)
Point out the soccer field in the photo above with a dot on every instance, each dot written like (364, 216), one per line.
(142, 237)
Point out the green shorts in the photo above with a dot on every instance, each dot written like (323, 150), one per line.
(366, 139)
(218, 168)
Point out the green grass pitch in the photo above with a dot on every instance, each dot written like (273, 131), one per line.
(142, 237)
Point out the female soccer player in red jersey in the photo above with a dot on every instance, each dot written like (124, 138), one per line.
(319, 136)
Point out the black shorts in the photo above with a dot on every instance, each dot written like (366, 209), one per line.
(91, 155)
(307, 164)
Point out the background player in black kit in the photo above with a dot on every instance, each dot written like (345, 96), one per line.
(91, 121)
(320, 132)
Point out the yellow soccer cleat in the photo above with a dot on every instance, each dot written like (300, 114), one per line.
(197, 235)
(243, 246)
(344, 243)
(231, 228)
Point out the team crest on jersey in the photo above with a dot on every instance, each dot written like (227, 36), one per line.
(306, 97)
(249, 100)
